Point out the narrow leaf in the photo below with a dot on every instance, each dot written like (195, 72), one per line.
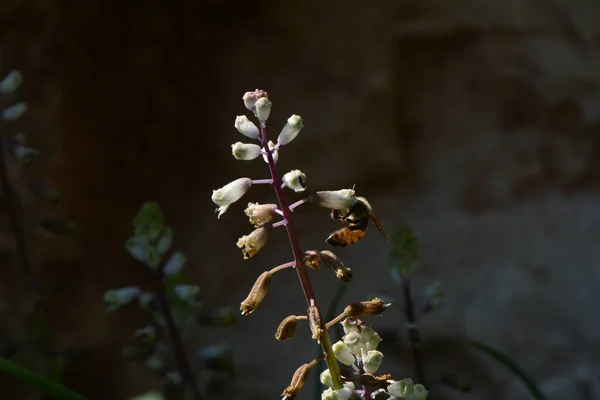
(513, 367)
(35, 380)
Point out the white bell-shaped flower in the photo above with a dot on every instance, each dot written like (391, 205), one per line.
(343, 353)
(230, 193)
(295, 180)
(263, 109)
(246, 127)
(290, 130)
(11, 82)
(335, 200)
(372, 361)
(245, 151)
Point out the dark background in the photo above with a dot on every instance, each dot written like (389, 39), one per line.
(478, 122)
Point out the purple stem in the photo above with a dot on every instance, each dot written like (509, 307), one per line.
(301, 268)
(262, 181)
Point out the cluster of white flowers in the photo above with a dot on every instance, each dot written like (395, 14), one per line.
(358, 349)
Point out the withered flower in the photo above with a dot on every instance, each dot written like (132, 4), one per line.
(257, 294)
(286, 328)
(298, 381)
(252, 243)
(312, 259)
(371, 307)
(332, 261)
(380, 381)
(260, 214)
(316, 323)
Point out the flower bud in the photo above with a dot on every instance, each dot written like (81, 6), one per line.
(312, 259)
(286, 328)
(335, 200)
(155, 363)
(13, 112)
(11, 82)
(433, 297)
(149, 396)
(252, 243)
(295, 180)
(188, 293)
(316, 323)
(148, 302)
(175, 264)
(372, 361)
(230, 193)
(420, 393)
(246, 127)
(260, 214)
(173, 378)
(116, 298)
(290, 130)
(335, 264)
(373, 341)
(250, 98)
(349, 325)
(145, 335)
(165, 240)
(257, 294)
(343, 353)
(275, 153)
(298, 381)
(371, 307)
(344, 393)
(352, 340)
(263, 109)
(326, 378)
(401, 388)
(245, 151)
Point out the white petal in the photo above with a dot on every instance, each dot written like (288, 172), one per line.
(246, 127)
(290, 130)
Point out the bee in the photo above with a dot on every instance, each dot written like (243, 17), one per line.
(356, 222)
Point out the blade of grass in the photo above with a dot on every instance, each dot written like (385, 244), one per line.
(34, 380)
(513, 367)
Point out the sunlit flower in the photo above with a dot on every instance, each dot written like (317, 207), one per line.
(295, 180)
(230, 193)
(245, 151)
(246, 127)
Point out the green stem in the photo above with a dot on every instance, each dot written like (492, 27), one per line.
(34, 284)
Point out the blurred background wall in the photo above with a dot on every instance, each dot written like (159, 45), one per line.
(477, 122)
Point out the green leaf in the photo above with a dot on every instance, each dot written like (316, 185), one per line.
(513, 367)
(149, 221)
(405, 254)
(40, 382)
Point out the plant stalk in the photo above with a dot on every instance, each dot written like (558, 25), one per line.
(185, 367)
(301, 269)
(34, 284)
(414, 335)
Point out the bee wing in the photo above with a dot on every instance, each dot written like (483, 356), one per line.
(345, 237)
(379, 225)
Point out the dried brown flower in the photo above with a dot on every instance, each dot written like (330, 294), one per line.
(260, 214)
(286, 328)
(332, 261)
(316, 323)
(312, 259)
(257, 294)
(252, 243)
(298, 381)
(371, 307)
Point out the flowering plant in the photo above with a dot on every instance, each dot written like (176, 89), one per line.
(358, 347)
